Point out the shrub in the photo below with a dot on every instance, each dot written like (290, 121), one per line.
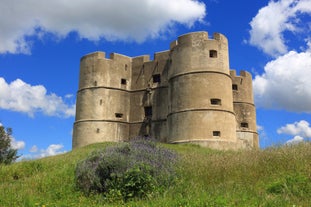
(128, 170)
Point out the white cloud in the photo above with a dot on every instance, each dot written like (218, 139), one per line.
(269, 25)
(93, 20)
(22, 97)
(68, 96)
(51, 150)
(260, 128)
(34, 149)
(285, 84)
(295, 140)
(301, 129)
(263, 138)
(18, 145)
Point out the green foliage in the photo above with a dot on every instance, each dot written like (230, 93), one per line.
(138, 182)
(129, 170)
(7, 153)
(295, 185)
(206, 178)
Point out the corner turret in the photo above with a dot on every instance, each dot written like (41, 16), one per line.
(244, 108)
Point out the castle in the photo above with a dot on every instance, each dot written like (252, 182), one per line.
(184, 95)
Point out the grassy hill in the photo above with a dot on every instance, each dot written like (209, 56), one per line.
(279, 176)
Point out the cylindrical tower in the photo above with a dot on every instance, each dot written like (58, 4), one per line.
(200, 92)
(102, 112)
(244, 108)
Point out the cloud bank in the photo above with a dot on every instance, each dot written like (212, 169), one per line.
(300, 130)
(51, 150)
(285, 83)
(22, 97)
(18, 145)
(36, 153)
(94, 20)
(271, 22)
(295, 140)
(282, 30)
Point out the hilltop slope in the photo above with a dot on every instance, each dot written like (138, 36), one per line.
(279, 176)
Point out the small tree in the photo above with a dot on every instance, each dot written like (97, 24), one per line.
(7, 153)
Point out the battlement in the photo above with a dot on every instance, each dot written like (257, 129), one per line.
(163, 55)
(97, 55)
(243, 73)
(220, 37)
(193, 38)
(102, 55)
(117, 57)
(141, 59)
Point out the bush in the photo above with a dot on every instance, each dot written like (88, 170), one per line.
(135, 169)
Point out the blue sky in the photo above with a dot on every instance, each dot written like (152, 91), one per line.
(41, 43)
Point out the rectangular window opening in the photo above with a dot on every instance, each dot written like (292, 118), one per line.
(123, 81)
(156, 78)
(244, 124)
(119, 115)
(215, 101)
(234, 87)
(97, 130)
(213, 53)
(148, 111)
(216, 133)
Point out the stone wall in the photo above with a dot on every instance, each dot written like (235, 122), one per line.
(185, 94)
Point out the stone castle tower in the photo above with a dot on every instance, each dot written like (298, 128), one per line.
(186, 94)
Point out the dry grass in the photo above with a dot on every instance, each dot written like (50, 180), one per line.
(279, 176)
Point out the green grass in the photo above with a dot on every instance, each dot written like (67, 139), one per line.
(279, 176)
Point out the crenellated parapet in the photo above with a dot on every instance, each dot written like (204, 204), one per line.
(199, 52)
(197, 38)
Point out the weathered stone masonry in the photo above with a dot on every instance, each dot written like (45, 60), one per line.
(185, 94)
